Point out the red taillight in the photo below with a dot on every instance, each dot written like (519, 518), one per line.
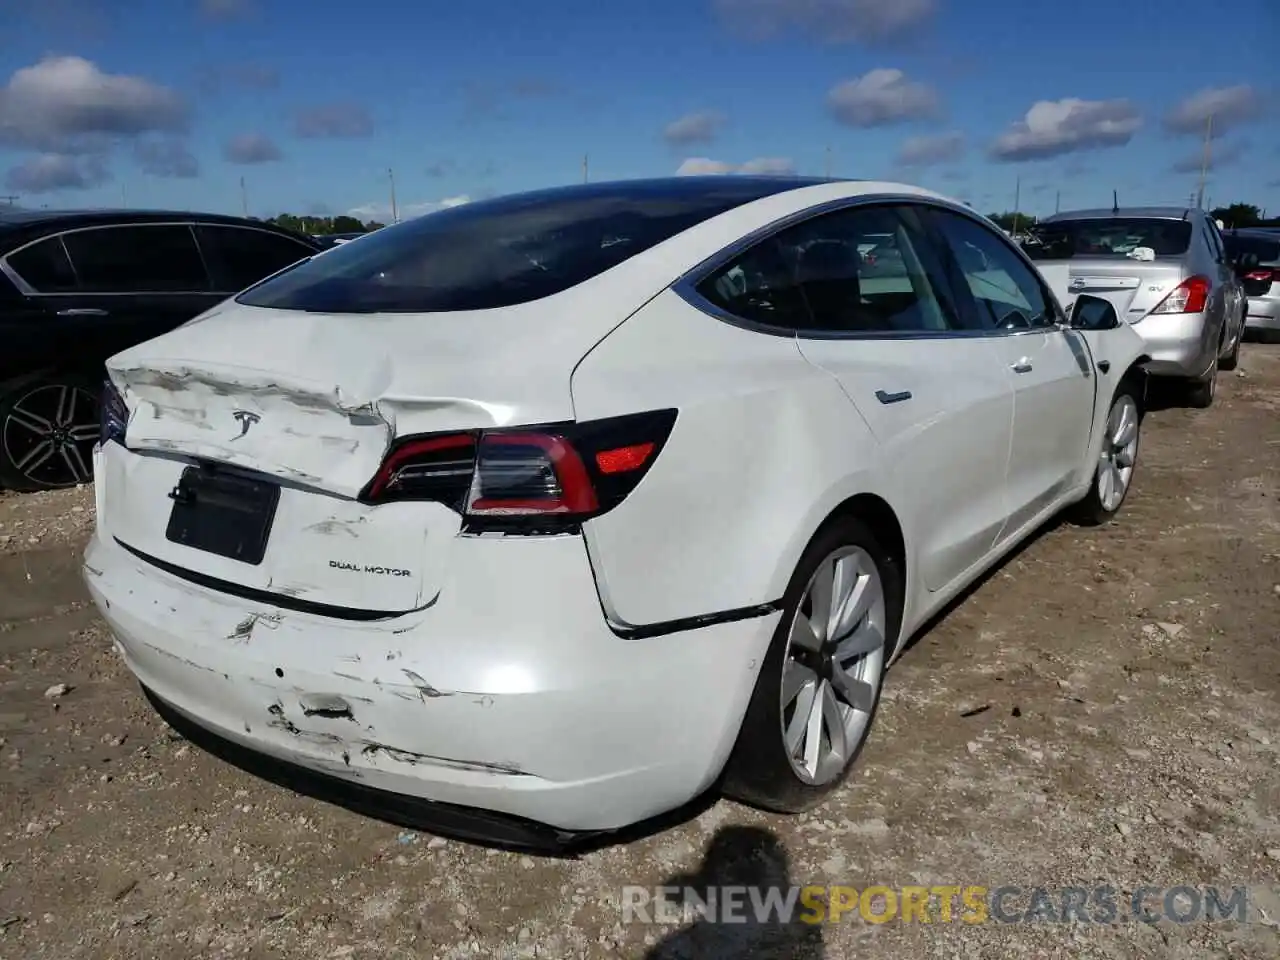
(426, 465)
(562, 473)
(624, 458)
(1190, 296)
(1264, 275)
(529, 473)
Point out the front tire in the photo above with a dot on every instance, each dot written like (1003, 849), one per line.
(1113, 474)
(818, 691)
(48, 427)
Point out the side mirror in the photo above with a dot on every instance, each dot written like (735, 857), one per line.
(1093, 313)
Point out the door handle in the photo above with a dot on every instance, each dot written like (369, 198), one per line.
(893, 397)
(82, 312)
(1022, 366)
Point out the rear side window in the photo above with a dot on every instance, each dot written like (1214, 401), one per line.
(1267, 251)
(239, 257)
(864, 271)
(45, 266)
(495, 253)
(1109, 237)
(137, 259)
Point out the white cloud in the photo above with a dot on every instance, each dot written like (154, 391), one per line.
(251, 148)
(926, 151)
(1222, 155)
(836, 21)
(381, 212)
(768, 166)
(1053, 128)
(694, 128)
(881, 97)
(1230, 107)
(760, 166)
(46, 172)
(68, 105)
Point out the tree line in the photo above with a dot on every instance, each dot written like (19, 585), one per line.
(323, 226)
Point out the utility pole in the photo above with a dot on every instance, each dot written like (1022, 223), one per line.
(10, 199)
(395, 211)
(244, 199)
(124, 196)
(585, 167)
(1017, 199)
(1057, 202)
(1204, 163)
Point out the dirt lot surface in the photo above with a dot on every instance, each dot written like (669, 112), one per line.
(1101, 711)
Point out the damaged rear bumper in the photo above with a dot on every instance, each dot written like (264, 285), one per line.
(509, 695)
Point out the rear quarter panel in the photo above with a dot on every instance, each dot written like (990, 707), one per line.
(765, 446)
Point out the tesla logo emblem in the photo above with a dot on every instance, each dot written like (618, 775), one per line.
(246, 420)
(1077, 283)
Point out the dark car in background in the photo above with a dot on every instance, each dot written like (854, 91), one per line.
(1257, 250)
(78, 287)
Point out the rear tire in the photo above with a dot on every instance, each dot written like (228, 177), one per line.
(1231, 359)
(48, 428)
(1200, 393)
(1117, 461)
(790, 756)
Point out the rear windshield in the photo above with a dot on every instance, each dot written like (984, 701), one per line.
(1111, 237)
(1267, 251)
(501, 252)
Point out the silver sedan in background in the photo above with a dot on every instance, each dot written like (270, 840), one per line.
(1167, 272)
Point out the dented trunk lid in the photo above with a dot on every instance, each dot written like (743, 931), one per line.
(312, 403)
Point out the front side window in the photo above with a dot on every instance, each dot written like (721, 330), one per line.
(1006, 291)
(44, 266)
(864, 270)
(501, 252)
(137, 259)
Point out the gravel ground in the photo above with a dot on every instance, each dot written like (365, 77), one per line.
(1101, 710)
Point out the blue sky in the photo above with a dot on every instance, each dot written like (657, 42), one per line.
(169, 103)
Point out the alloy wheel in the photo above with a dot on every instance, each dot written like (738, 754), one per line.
(833, 665)
(49, 433)
(1119, 452)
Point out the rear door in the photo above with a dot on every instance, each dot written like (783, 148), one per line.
(29, 326)
(238, 257)
(1228, 293)
(934, 394)
(132, 282)
(1049, 367)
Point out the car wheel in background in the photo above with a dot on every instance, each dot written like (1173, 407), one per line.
(1230, 361)
(1113, 474)
(819, 687)
(48, 428)
(1200, 393)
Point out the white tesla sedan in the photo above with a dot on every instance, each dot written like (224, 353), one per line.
(544, 512)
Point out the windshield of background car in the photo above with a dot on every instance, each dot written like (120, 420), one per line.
(500, 252)
(1109, 237)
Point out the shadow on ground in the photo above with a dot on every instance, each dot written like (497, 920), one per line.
(754, 861)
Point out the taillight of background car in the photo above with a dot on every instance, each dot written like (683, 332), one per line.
(1190, 296)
